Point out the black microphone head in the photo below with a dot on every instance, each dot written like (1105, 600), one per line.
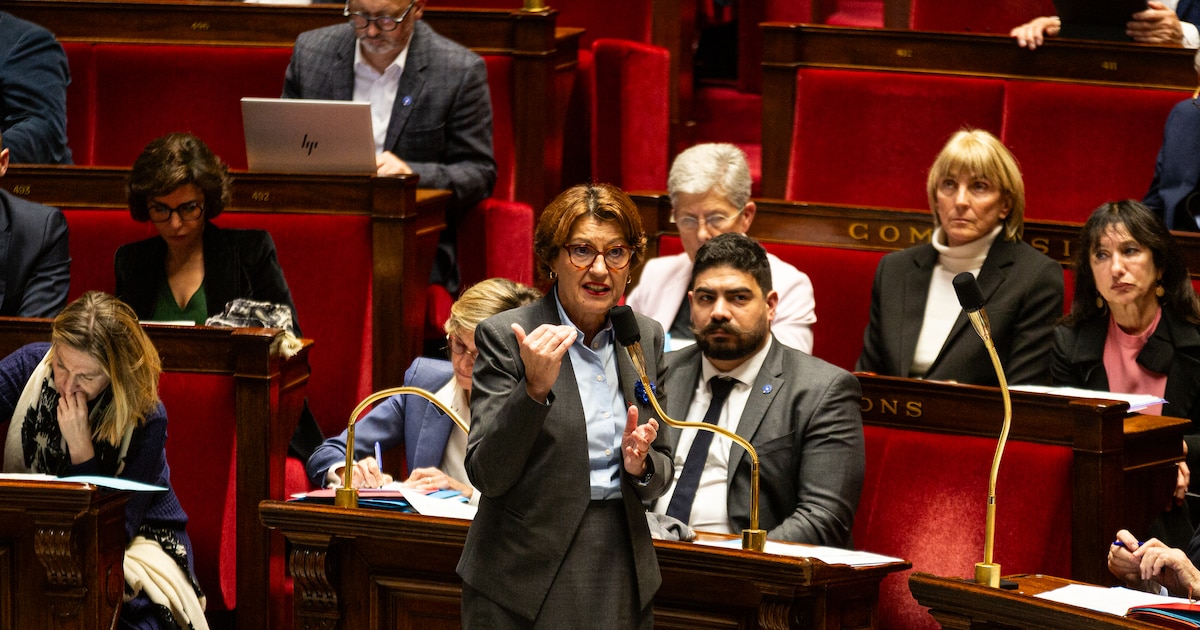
(625, 325)
(968, 292)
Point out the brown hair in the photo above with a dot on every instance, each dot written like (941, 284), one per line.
(604, 202)
(979, 153)
(175, 160)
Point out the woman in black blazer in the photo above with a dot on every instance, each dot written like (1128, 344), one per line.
(917, 328)
(192, 268)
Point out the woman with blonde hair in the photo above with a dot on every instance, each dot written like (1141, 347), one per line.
(87, 404)
(434, 448)
(917, 327)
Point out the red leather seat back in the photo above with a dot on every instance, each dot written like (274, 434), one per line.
(630, 114)
(975, 16)
(95, 236)
(81, 100)
(500, 81)
(869, 137)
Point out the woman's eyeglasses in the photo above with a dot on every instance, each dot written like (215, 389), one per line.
(460, 348)
(583, 255)
(187, 211)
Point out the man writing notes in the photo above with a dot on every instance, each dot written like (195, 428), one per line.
(709, 185)
(800, 413)
(430, 107)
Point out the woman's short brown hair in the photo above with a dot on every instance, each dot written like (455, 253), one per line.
(604, 202)
(175, 160)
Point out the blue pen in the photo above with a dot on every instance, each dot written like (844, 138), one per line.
(378, 457)
(1117, 543)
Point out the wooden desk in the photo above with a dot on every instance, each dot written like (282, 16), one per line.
(787, 47)
(955, 603)
(61, 551)
(269, 393)
(400, 568)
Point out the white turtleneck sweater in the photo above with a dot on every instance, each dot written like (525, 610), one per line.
(941, 306)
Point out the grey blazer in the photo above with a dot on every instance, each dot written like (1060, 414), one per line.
(530, 463)
(1023, 293)
(803, 419)
(442, 120)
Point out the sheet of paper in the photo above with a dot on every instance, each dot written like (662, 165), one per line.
(1116, 600)
(113, 483)
(828, 555)
(451, 507)
(1137, 402)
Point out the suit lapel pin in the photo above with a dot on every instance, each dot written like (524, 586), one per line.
(406, 101)
(767, 388)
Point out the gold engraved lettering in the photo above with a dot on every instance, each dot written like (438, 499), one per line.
(889, 233)
(907, 53)
(917, 235)
(201, 26)
(913, 409)
(858, 231)
(888, 406)
(21, 189)
(1041, 244)
(867, 405)
(1109, 65)
(260, 195)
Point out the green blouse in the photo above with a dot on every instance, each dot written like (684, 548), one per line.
(167, 310)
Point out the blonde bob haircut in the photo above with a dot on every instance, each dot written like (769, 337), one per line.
(481, 301)
(603, 202)
(107, 330)
(980, 154)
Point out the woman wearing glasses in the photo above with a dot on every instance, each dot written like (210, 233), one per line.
(917, 327)
(560, 444)
(192, 268)
(433, 447)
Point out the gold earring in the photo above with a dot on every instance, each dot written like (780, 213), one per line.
(554, 275)
(1100, 302)
(1159, 291)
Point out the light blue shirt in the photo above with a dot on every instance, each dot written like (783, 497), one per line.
(603, 406)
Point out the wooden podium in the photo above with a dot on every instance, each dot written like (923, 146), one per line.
(374, 569)
(964, 605)
(62, 546)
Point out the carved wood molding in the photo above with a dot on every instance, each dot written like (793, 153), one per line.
(316, 598)
(55, 547)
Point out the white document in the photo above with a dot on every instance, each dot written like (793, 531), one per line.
(452, 507)
(1116, 600)
(828, 555)
(1137, 402)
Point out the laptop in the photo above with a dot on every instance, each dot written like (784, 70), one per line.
(308, 136)
(1097, 19)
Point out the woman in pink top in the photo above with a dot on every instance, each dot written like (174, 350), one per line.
(1133, 324)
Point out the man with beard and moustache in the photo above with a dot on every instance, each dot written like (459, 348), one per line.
(800, 413)
(430, 106)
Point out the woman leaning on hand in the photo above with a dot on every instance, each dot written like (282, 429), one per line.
(917, 328)
(559, 446)
(1133, 325)
(87, 404)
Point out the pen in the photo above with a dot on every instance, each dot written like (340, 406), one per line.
(378, 457)
(1117, 543)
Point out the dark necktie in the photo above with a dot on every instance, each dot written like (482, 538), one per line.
(681, 328)
(689, 479)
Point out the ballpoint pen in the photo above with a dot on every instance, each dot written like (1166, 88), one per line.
(378, 457)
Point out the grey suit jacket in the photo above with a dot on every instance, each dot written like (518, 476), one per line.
(803, 419)
(530, 463)
(1023, 293)
(36, 272)
(442, 120)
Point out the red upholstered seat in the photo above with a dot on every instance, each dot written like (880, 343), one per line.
(95, 237)
(201, 426)
(153, 89)
(924, 499)
(630, 114)
(500, 80)
(869, 137)
(81, 100)
(1081, 145)
(975, 16)
(620, 19)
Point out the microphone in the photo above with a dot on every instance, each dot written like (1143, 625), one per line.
(971, 299)
(625, 327)
(347, 496)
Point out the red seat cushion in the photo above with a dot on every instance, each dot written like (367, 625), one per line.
(500, 82)
(869, 137)
(147, 90)
(975, 16)
(924, 499)
(1081, 145)
(81, 100)
(630, 114)
(95, 237)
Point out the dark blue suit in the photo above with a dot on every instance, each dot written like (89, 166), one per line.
(422, 427)
(35, 262)
(33, 93)
(1177, 169)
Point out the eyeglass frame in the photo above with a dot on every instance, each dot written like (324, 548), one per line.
(453, 343)
(567, 247)
(396, 21)
(707, 221)
(196, 206)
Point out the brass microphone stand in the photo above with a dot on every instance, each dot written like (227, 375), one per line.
(347, 496)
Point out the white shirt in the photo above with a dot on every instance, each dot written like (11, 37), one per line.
(455, 455)
(379, 90)
(1191, 35)
(710, 510)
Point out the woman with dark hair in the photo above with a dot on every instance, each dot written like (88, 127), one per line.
(192, 269)
(87, 404)
(560, 440)
(1133, 325)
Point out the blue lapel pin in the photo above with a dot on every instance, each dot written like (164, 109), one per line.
(406, 101)
(767, 388)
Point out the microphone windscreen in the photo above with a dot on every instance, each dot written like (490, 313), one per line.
(969, 296)
(625, 325)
